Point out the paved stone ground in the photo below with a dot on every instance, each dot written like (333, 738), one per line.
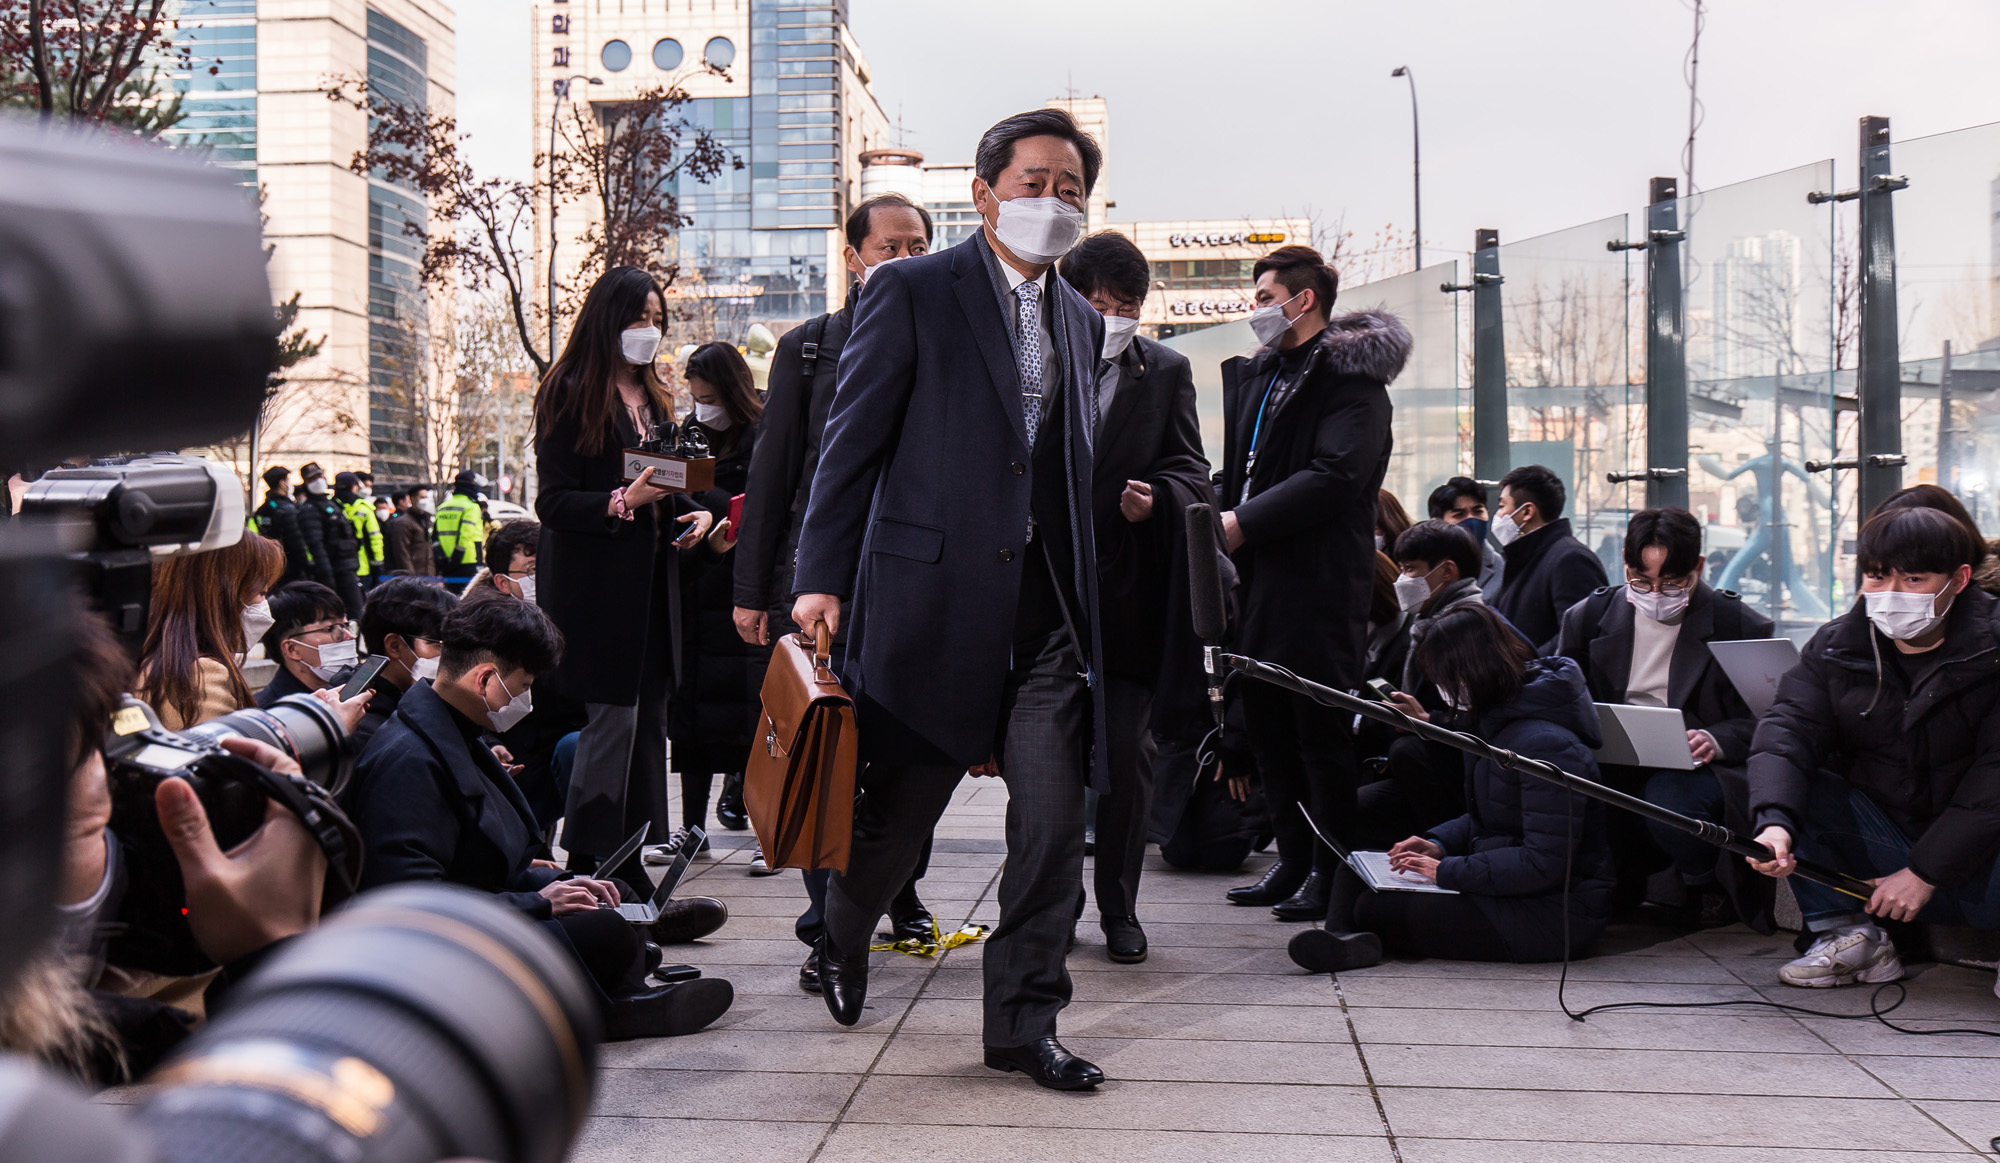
(1218, 1046)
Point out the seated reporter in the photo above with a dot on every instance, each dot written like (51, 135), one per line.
(403, 621)
(1646, 643)
(310, 640)
(1508, 855)
(433, 803)
(1881, 756)
(207, 609)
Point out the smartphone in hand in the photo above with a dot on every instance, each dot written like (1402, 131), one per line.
(1378, 689)
(363, 675)
(735, 518)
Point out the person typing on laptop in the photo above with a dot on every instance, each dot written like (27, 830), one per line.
(1646, 643)
(433, 804)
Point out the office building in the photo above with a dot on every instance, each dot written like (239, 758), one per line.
(784, 87)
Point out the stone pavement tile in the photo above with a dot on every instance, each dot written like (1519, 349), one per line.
(1943, 993)
(1691, 968)
(828, 1050)
(717, 952)
(1705, 1120)
(647, 1140)
(1010, 1100)
(1738, 941)
(1819, 1075)
(1938, 1078)
(723, 1094)
(1975, 1122)
(803, 1012)
(1169, 935)
(1632, 1029)
(883, 1144)
(962, 980)
(1219, 1021)
(885, 982)
(1215, 911)
(1500, 994)
(1415, 1150)
(1145, 1059)
(1868, 1037)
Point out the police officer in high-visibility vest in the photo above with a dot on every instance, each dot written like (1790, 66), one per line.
(459, 531)
(360, 510)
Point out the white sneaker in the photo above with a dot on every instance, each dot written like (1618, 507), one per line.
(758, 867)
(1845, 956)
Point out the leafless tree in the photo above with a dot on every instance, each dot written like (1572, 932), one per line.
(94, 60)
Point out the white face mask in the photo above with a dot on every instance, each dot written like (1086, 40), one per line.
(1269, 322)
(334, 657)
(426, 505)
(1412, 591)
(527, 585)
(1904, 616)
(256, 620)
(870, 268)
(1118, 335)
(1659, 607)
(639, 344)
(517, 708)
(316, 486)
(1038, 230)
(1456, 701)
(424, 668)
(713, 417)
(1506, 528)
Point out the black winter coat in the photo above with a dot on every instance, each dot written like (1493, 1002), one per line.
(781, 468)
(1547, 572)
(1597, 634)
(278, 519)
(1308, 557)
(339, 551)
(1508, 853)
(716, 705)
(1928, 754)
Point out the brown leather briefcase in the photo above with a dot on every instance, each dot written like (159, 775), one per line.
(798, 784)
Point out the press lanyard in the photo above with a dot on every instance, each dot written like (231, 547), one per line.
(1257, 434)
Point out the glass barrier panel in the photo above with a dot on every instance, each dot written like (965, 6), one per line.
(1206, 349)
(1429, 447)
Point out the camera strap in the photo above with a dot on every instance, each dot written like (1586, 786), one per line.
(329, 827)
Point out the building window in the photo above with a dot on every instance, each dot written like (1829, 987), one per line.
(719, 52)
(667, 55)
(616, 55)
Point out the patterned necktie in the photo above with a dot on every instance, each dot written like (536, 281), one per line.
(1028, 354)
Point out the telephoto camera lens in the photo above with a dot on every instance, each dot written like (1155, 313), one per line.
(422, 1022)
(301, 726)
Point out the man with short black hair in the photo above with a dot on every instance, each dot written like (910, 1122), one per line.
(403, 622)
(278, 519)
(510, 555)
(1548, 569)
(433, 804)
(309, 639)
(1462, 502)
(1148, 468)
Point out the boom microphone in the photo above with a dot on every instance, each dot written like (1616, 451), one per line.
(1204, 552)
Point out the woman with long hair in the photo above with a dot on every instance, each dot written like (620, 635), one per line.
(716, 703)
(207, 609)
(1526, 850)
(606, 568)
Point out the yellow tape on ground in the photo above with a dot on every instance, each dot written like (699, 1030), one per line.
(917, 947)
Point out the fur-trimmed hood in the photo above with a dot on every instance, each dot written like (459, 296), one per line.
(1374, 344)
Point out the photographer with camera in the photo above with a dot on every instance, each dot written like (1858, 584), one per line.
(207, 609)
(309, 639)
(433, 804)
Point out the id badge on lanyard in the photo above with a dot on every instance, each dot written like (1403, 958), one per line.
(1257, 436)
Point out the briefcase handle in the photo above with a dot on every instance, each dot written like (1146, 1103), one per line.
(822, 648)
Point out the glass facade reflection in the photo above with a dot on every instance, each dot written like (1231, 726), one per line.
(397, 60)
(220, 106)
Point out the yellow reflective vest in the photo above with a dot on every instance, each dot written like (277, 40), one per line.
(459, 530)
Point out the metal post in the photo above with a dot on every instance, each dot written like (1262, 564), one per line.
(1945, 469)
(1416, 166)
(1490, 456)
(1666, 349)
(1880, 390)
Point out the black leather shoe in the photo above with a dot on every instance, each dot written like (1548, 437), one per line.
(1318, 951)
(688, 920)
(1047, 1063)
(668, 1011)
(654, 955)
(1124, 940)
(809, 973)
(843, 982)
(1307, 904)
(729, 805)
(1278, 883)
(915, 925)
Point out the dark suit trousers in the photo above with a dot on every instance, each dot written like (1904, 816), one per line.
(1124, 814)
(1305, 754)
(1046, 718)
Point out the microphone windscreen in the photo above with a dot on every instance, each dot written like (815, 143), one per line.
(1204, 549)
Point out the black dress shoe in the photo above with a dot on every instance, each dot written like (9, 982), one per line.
(1319, 951)
(1278, 883)
(809, 973)
(687, 920)
(1307, 904)
(843, 982)
(1124, 940)
(729, 806)
(916, 925)
(1047, 1063)
(654, 955)
(668, 1011)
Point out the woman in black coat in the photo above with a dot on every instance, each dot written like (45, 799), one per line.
(716, 702)
(1525, 849)
(607, 560)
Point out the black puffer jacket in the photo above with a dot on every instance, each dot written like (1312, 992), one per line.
(1927, 753)
(714, 709)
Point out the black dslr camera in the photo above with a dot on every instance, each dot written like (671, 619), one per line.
(139, 753)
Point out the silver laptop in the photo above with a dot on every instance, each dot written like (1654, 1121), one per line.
(1373, 867)
(1755, 665)
(1644, 737)
(610, 863)
(646, 912)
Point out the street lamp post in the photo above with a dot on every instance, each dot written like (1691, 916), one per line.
(555, 111)
(1416, 163)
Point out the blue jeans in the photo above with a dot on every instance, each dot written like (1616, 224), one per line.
(1845, 830)
(1696, 793)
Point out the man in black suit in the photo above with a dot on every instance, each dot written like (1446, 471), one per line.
(1547, 569)
(433, 804)
(951, 509)
(1646, 643)
(1149, 468)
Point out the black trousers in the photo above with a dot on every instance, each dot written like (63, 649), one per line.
(609, 949)
(1414, 924)
(1043, 759)
(1124, 813)
(811, 925)
(1305, 753)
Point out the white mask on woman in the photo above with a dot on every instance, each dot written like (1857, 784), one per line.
(639, 344)
(1904, 616)
(713, 417)
(1038, 230)
(256, 620)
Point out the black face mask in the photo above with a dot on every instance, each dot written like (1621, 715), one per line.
(1475, 526)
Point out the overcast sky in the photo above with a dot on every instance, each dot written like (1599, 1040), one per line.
(1537, 114)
